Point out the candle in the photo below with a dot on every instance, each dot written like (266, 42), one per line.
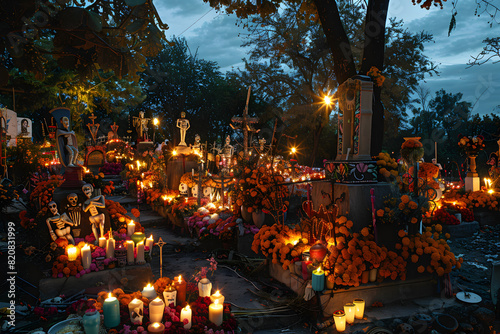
(186, 313)
(170, 295)
(86, 256)
(72, 252)
(156, 327)
(180, 286)
(111, 311)
(102, 242)
(110, 248)
(149, 291)
(140, 252)
(217, 296)
(215, 313)
(204, 287)
(339, 318)
(349, 310)
(149, 243)
(318, 279)
(136, 310)
(156, 308)
(192, 171)
(130, 228)
(359, 308)
(129, 245)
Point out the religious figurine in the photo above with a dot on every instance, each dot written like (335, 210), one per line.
(74, 210)
(66, 144)
(91, 204)
(62, 231)
(141, 123)
(183, 125)
(227, 152)
(196, 147)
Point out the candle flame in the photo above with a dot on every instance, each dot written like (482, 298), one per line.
(151, 236)
(149, 285)
(180, 279)
(216, 302)
(187, 308)
(109, 295)
(156, 325)
(217, 293)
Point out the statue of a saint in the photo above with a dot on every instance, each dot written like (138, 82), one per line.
(67, 146)
(60, 222)
(183, 125)
(141, 124)
(227, 152)
(91, 204)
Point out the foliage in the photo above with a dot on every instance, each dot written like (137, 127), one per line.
(403, 211)
(471, 145)
(491, 50)
(7, 196)
(24, 159)
(388, 167)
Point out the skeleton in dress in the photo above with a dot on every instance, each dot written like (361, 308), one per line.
(183, 125)
(61, 222)
(70, 142)
(91, 204)
(227, 152)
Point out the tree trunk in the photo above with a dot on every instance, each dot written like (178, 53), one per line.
(373, 56)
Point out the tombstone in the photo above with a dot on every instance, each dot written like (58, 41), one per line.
(95, 159)
(10, 119)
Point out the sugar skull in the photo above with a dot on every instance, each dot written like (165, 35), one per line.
(72, 199)
(183, 189)
(207, 191)
(194, 191)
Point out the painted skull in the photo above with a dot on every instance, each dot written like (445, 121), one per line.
(53, 207)
(207, 191)
(183, 189)
(141, 114)
(72, 199)
(87, 190)
(65, 122)
(194, 191)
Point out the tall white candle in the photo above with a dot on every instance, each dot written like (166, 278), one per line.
(349, 310)
(149, 243)
(359, 305)
(186, 313)
(130, 228)
(110, 248)
(140, 252)
(135, 308)
(102, 242)
(86, 256)
(129, 245)
(156, 308)
(215, 311)
(170, 295)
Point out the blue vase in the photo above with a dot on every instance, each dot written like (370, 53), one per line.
(91, 322)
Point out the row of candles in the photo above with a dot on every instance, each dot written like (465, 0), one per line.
(139, 242)
(173, 294)
(352, 310)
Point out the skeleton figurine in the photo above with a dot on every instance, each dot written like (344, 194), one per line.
(91, 204)
(194, 191)
(61, 222)
(74, 210)
(183, 189)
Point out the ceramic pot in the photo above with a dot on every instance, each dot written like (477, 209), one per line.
(258, 217)
(365, 276)
(205, 287)
(318, 251)
(373, 275)
(91, 322)
(247, 216)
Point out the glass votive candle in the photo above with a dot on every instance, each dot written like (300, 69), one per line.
(339, 318)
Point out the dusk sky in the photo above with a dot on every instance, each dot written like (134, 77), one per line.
(215, 37)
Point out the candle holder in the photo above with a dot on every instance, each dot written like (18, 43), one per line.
(121, 256)
(359, 305)
(349, 310)
(204, 287)
(137, 237)
(339, 319)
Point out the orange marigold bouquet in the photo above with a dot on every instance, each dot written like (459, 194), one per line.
(412, 150)
(471, 145)
(403, 210)
(476, 199)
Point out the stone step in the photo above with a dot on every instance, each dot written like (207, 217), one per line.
(462, 230)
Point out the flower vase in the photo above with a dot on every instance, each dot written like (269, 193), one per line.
(91, 322)
(365, 275)
(472, 165)
(247, 216)
(258, 217)
(205, 287)
(373, 275)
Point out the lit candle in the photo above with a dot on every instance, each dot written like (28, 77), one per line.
(149, 243)
(86, 256)
(72, 252)
(102, 242)
(186, 313)
(180, 286)
(318, 279)
(217, 296)
(156, 327)
(156, 308)
(129, 245)
(170, 295)
(349, 310)
(360, 308)
(111, 311)
(130, 228)
(339, 318)
(110, 247)
(215, 313)
(140, 252)
(136, 310)
(149, 291)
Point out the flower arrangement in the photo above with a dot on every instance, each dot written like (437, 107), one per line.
(188, 179)
(7, 196)
(42, 194)
(403, 210)
(376, 75)
(453, 208)
(476, 199)
(95, 180)
(388, 167)
(412, 150)
(186, 207)
(202, 273)
(109, 188)
(471, 145)
(442, 216)
(280, 242)
(111, 168)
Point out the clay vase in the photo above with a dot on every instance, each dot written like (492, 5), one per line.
(373, 274)
(247, 216)
(318, 251)
(258, 217)
(364, 276)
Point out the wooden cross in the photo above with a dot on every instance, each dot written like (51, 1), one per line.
(114, 128)
(161, 243)
(245, 124)
(93, 127)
